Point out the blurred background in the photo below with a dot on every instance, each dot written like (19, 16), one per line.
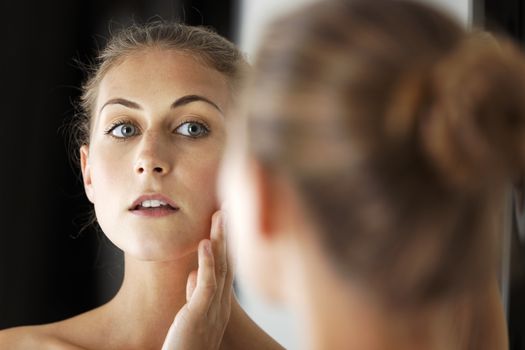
(51, 266)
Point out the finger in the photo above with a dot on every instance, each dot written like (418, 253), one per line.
(206, 283)
(191, 285)
(228, 283)
(219, 251)
(171, 338)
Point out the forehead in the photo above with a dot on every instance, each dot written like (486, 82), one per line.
(155, 74)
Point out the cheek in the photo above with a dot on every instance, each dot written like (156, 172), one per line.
(195, 184)
(199, 180)
(107, 176)
(108, 166)
(109, 184)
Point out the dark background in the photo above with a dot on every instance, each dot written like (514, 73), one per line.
(48, 270)
(508, 17)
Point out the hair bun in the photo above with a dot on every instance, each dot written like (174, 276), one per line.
(473, 131)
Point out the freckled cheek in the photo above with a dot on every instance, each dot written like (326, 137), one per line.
(201, 182)
(108, 176)
(110, 188)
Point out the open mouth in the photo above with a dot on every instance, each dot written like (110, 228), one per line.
(153, 207)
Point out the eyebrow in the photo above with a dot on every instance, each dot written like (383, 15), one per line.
(182, 101)
(121, 101)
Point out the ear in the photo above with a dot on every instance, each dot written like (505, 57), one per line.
(261, 186)
(86, 171)
(274, 204)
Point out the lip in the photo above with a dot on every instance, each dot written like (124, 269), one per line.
(153, 212)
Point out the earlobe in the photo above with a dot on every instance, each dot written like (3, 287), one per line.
(86, 171)
(279, 209)
(266, 205)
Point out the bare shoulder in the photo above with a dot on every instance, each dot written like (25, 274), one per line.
(17, 338)
(34, 337)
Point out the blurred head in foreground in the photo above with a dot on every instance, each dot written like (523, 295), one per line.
(366, 166)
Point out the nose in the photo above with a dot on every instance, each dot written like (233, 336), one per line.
(152, 158)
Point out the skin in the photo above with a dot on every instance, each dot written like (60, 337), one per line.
(281, 257)
(120, 171)
(177, 288)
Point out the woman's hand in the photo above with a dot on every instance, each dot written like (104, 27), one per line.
(201, 322)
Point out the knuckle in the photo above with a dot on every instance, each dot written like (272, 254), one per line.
(210, 286)
(223, 269)
(209, 262)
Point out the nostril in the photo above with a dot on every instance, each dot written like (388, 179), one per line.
(143, 169)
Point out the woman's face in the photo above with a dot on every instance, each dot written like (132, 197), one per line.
(156, 141)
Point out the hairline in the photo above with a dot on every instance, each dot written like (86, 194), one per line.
(110, 63)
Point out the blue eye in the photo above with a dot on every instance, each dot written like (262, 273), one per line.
(123, 130)
(193, 129)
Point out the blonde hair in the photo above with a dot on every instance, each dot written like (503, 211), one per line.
(202, 43)
(400, 130)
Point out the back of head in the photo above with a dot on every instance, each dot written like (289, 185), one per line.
(400, 130)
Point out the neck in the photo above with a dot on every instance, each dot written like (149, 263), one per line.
(151, 295)
(340, 315)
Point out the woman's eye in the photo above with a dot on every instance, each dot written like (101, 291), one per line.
(124, 130)
(192, 129)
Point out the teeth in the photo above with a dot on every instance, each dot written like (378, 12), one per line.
(153, 203)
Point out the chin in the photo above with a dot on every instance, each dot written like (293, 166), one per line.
(162, 252)
(160, 246)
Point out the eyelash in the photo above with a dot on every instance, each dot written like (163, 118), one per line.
(201, 123)
(118, 123)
